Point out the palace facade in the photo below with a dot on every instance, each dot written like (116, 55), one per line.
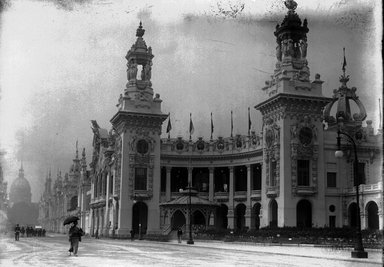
(285, 176)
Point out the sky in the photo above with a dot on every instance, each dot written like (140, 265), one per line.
(63, 64)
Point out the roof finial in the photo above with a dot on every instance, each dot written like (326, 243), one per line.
(344, 78)
(291, 5)
(140, 31)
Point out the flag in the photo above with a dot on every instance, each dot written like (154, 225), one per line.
(345, 61)
(169, 126)
(211, 126)
(191, 128)
(249, 122)
(231, 124)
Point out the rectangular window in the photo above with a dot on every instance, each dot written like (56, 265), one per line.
(272, 175)
(303, 172)
(332, 221)
(331, 179)
(140, 178)
(163, 182)
(256, 174)
(110, 184)
(361, 172)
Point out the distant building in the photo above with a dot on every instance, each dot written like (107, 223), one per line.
(21, 209)
(285, 176)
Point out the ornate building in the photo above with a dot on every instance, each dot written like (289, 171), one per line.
(66, 197)
(285, 176)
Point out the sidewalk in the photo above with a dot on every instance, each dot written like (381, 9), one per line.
(302, 250)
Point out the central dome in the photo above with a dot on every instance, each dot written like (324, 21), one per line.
(20, 190)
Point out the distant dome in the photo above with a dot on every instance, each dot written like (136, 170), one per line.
(20, 190)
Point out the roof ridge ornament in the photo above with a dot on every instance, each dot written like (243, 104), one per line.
(140, 31)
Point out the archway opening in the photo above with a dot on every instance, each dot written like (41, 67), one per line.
(256, 216)
(240, 216)
(198, 220)
(273, 213)
(221, 220)
(140, 217)
(304, 214)
(178, 220)
(373, 216)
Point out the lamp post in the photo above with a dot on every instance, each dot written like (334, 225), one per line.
(190, 240)
(358, 251)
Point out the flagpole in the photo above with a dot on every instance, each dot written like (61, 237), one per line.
(211, 126)
(231, 125)
(380, 115)
(344, 62)
(249, 122)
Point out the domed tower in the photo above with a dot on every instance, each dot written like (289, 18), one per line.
(20, 190)
(292, 131)
(138, 125)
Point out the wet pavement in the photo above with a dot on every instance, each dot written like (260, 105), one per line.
(53, 251)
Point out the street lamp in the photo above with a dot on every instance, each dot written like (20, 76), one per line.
(358, 251)
(190, 240)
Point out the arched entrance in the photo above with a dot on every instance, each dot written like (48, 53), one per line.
(304, 214)
(178, 220)
(221, 217)
(240, 216)
(372, 215)
(273, 213)
(198, 220)
(140, 216)
(256, 216)
(352, 214)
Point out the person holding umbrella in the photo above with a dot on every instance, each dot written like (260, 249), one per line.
(74, 233)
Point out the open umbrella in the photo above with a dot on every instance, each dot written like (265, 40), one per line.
(70, 219)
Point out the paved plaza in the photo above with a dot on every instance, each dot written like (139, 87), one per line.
(52, 251)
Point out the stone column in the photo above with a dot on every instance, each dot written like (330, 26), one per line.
(211, 183)
(106, 210)
(168, 184)
(231, 215)
(125, 203)
(190, 175)
(248, 210)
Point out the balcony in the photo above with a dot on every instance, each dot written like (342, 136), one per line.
(221, 196)
(272, 191)
(256, 194)
(240, 195)
(305, 190)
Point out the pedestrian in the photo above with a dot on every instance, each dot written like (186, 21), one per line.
(75, 234)
(132, 235)
(22, 230)
(17, 232)
(179, 234)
